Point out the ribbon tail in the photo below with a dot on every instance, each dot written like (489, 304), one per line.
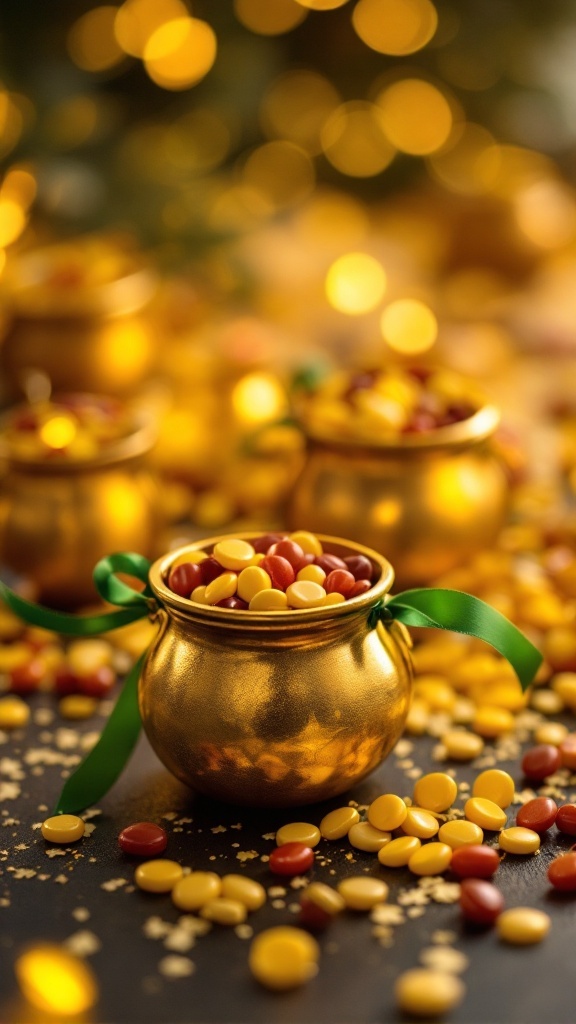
(464, 613)
(100, 769)
(68, 624)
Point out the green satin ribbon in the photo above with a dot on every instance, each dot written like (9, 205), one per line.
(441, 609)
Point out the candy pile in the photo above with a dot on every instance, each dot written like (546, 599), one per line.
(72, 427)
(385, 405)
(273, 572)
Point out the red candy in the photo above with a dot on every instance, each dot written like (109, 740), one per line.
(540, 762)
(314, 917)
(566, 819)
(568, 752)
(185, 578)
(480, 901)
(359, 566)
(474, 861)
(210, 569)
(291, 551)
(538, 814)
(262, 544)
(562, 872)
(329, 563)
(291, 859)
(27, 678)
(144, 839)
(360, 587)
(232, 602)
(280, 571)
(339, 581)
(98, 683)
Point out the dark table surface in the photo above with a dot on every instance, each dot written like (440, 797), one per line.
(85, 896)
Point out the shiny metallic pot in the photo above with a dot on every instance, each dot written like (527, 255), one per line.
(274, 708)
(426, 502)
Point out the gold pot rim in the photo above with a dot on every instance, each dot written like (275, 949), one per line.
(292, 618)
(130, 446)
(473, 430)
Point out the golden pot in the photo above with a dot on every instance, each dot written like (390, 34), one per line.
(427, 502)
(93, 338)
(58, 517)
(274, 708)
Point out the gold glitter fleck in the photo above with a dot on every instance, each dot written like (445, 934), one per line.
(175, 966)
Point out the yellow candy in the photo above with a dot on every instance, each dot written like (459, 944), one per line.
(460, 833)
(14, 713)
(194, 557)
(325, 897)
(305, 594)
(519, 840)
(251, 581)
(244, 890)
(194, 890)
(233, 553)
(77, 706)
(283, 958)
(564, 684)
(387, 812)
(362, 892)
(397, 853)
(363, 836)
(523, 926)
(224, 911)
(547, 702)
(436, 691)
(258, 557)
(428, 993)
(436, 791)
(495, 785)
(485, 813)
(420, 823)
(334, 598)
(298, 832)
(337, 824)
(13, 656)
(309, 542)
(158, 875)
(553, 733)
(418, 718)
(87, 656)
(314, 573)
(431, 859)
(223, 586)
(490, 721)
(199, 595)
(461, 745)
(269, 601)
(55, 982)
(63, 828)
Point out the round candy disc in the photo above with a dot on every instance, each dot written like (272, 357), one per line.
(143, 839)
(291, 859)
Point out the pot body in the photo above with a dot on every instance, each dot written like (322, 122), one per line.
(292, 709)
(427, 509)
(54, 526)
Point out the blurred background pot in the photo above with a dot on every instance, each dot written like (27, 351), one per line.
(274, 708)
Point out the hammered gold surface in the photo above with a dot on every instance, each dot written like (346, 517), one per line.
(274, 708)
(426, 506)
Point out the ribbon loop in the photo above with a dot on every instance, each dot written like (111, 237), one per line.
(116, 591)
(464, 613)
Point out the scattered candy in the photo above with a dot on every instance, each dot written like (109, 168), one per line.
(485, 813)
(475, 861)
(430, 859)
(480, 901)
(387, 812)
(244, 890)
(363, 836)
(435, 792)
(540, 762)
(14, 713)
(397, 853)
(291, 859)
(538, 814)
(460, 833)
(143, 839)
(337, 824)
(519, 840)
(63, 828)
(494, 785)
(194, 890)
(298, 832)
(420, 823)
(55, 982)
(158, 875)
(562, 872)
(319, 906)
(361, 892)
(283, 958)
(428, 993)
(523, 926)
(223, 911)
(566, 819)
(77, 707)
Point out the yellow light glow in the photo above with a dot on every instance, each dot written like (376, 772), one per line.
(180, 53)
(137, 20)
(333, 218)
(518, 169)
(386, 512)
(395, 27)
(198, 141)
(269, 19)
(11, 123)
(355, 283)
(296, 106)
(92, 43)
(59, 431)
(281, 171)
(12, 221)
(72, 121)
(322, 5)
(546, 214)
(239, 208)
(409, 326)
(258, 398)
(19, 185)
(126, 350)
(56, 982)
(471, 165)
(417, 116)
(354, 140)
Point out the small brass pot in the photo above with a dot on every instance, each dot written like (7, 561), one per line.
(58, 517)
(427, 502)
(274, 708)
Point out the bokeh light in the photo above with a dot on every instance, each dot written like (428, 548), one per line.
(417, 117)
(11, 123)
(322, 5)
(354, 142)
(12, 220)
(282, 172)
(470, 164)
(355, 283)
(56, 982)
(137, 20)
(92, 42)
(409, 326)
(395, 27)
(269, 19)
(58, 432)
(333, 218)
(546, 214)
(258, 398)
(180, 53)
(296, 106)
